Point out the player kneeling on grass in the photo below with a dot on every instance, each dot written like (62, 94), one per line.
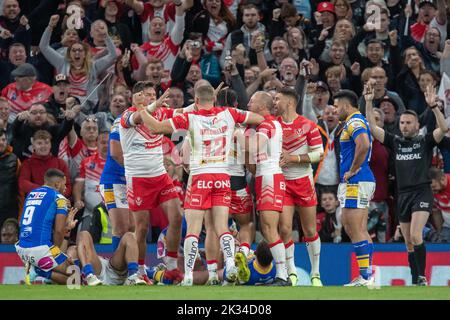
(121, 268)
(45, 222)
(257, 270)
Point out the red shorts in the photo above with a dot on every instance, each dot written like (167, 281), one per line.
(270, 191)
(300, 192)
(145, 193)
(208, 190)
(241, 201)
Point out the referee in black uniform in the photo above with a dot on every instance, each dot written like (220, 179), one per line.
(412, 153)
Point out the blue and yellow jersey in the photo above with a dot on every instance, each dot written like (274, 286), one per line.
(258, 276)
(355, 124)
(113, 172)
(38, 216)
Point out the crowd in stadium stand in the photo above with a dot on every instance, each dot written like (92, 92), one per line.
(67, 69)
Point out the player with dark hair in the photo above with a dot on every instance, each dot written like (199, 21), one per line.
(210, 130)
(412, 154)
(259, 270)
(357, 184)
(302, 146)
(44, 226)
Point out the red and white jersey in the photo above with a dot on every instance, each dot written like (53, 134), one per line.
(91, 169)
(63, 152)
(210, 134)
(442, 202)
(236, 158)
(166, 51)
(142, 149)
(22, 100)
(299, 137)
(167, 12)
(80, 151)
(268, 157)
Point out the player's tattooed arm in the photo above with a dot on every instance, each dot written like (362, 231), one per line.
(362, 145)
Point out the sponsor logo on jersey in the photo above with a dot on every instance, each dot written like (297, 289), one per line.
(37, 195)
(138, 201)
(424, 205)
(406, 157)
(33, 203)
(218, 184)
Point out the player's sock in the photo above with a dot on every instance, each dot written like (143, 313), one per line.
(132, 268)
(244, 248)
(115, 242)
(413, 267)
(313, 245)
(77, 262)
(141, 267)
(88, 269)
(279, 255)
(370, 270)
(227, 245)
(158, 276)
(362, 257)
(420, 255)
(171, 260)
(190, 254)
(290, 263)
(212, 269)
(44, 274)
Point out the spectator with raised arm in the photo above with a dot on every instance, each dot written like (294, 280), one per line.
(77, 65)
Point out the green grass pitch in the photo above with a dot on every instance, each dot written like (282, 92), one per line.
(54, 292)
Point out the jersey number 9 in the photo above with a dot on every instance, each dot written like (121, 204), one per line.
(28, 215)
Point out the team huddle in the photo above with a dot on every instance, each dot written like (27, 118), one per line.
(224, 146)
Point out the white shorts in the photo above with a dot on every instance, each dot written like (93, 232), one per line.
(43, 257)
(356, 196)
(109, 276)
(114, 195)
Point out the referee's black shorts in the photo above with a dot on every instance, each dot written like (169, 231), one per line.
(413, 201)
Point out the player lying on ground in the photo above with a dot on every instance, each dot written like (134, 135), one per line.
(121, 268)
(257, 270)
(45, 222)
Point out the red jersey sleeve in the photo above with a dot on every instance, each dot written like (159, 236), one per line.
(76, 149)
(167, 146)
(180, 122)
(126, 117)
(239, 116)
(313, 137)
(161, 114)
(82, 174)
(266, 128)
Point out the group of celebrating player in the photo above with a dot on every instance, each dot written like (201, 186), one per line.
(270, 140)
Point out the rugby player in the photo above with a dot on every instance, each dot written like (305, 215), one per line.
(148, 184)
(210, 131)
(264, 150)
(412, 154)
(302, 146)
(113, 187)
(357, 184)
(121, 268)
(45, 223)
(258, 270)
